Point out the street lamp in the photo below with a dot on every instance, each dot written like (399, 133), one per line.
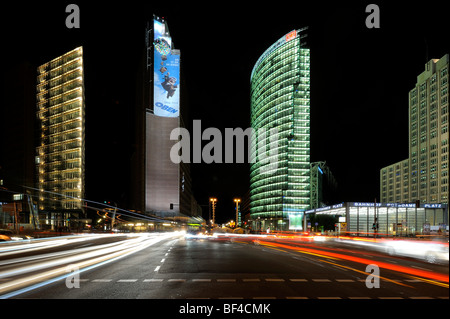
(237, 201)
(213, 205)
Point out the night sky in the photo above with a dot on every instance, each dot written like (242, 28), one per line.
(360, 79)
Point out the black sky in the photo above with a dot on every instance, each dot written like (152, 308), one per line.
(360, 78)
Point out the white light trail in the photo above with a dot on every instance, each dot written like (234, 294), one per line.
(47, 268)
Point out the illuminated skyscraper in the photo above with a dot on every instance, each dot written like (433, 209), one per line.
(160, 186)
(280, 99)
(424, 175)
(60, 154)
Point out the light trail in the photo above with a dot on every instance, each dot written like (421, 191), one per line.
(398, 268)
(48, 268)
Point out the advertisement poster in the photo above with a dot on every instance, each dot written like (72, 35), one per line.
(166, 78)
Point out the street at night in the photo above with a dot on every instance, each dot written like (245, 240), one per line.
(230, 159)
(174, 266)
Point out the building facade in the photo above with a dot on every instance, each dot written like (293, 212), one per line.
(400, 219)
(280, 100)
(60, 157)
(161, 187)
(323, 185)
(424, 175)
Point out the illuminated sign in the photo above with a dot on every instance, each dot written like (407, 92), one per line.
(432, 205)
(166, 73)
(295, 221)
(399, 205)
(366, 204)
(291, 35)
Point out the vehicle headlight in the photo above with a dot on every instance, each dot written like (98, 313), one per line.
(16, 238)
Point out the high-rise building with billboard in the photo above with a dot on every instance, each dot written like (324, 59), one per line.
(60, 157)
(160, 186)
(280, 99)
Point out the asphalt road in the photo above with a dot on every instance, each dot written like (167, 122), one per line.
(240, 268)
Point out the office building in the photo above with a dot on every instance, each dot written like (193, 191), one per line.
(60, 157)
(323, 185)
(161, 187)
(424, 175)
(280, 99)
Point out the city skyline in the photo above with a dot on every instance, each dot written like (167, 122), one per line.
(352, 94)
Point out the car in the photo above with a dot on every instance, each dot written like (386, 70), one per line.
(430, 251)
(5, 235)
(8, 235)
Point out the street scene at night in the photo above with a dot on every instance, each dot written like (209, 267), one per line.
(228, 162)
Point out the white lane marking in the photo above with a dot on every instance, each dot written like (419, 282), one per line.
(177, 280)
(163, 260)
(102, 280)
(424, 297)
(264, 298)
(274, 279)
(321, 280)
(166, 254)
(226, 280)
(157, 268)
(390, 297)
(202, 280)
(153, 280)
(297, 298)
(251, 280)
(298, 280)
(359, 298)
(344, 280)
(127, 280)
(329, 298)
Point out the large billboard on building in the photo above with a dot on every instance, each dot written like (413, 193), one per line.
(166, 73)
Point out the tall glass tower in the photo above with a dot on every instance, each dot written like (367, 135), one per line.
(280, 100)
(60, 157)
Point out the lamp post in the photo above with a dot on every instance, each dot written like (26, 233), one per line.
(213, 205)
(237, 201)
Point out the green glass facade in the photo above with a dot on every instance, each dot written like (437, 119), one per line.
(280, 99)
